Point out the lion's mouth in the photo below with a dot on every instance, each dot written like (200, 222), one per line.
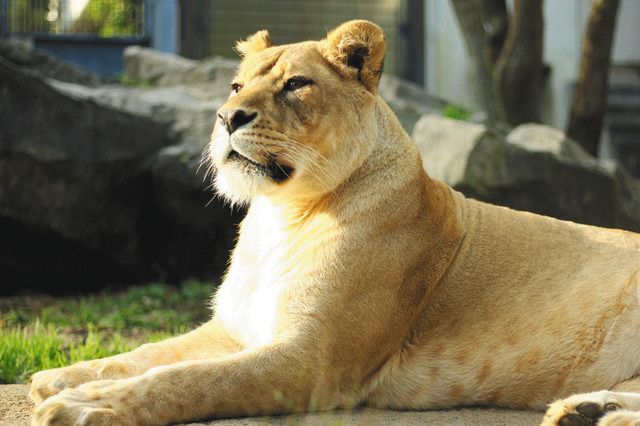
(277, 172)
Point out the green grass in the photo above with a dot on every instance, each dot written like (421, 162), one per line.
(41, 332)
(135, 82)
(456, 112)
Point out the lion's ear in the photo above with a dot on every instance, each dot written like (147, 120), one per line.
(357, 48)
(254, 44)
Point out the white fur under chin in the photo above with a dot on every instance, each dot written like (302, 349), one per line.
(235, 187)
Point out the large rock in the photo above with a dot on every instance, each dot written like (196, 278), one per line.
(164, 69)
(71, 186)
(187, 114)
(533, 168)
(88, 195)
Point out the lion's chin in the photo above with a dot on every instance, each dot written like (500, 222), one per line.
(239, 179)
(234, 187)
(272, 170)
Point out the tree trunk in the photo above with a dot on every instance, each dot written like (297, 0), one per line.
(484, 25)
(589, 100)
(518, 71)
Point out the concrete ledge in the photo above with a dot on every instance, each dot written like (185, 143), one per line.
(15, 407)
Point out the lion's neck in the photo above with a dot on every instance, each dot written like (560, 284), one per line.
(392, 166)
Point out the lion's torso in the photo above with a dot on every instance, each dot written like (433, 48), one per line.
(529, 311)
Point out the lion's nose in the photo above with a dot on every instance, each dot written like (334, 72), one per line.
(235, 118)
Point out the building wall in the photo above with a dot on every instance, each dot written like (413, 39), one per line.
(448, 70)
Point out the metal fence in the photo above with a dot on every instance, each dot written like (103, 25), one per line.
(102, 18)
(211, 27)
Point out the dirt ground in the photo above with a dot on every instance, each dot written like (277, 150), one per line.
(15, 407)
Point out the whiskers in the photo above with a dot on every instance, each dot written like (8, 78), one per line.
(318, 171)
(297, 154)
(206, 161)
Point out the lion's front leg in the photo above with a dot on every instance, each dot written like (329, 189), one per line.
(269, 380)
(207, 341)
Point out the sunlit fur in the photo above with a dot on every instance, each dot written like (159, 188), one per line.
(360, 280)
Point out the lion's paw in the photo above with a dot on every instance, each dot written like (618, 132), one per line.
(95, 403)
(50, 382)
(47, 383)
(596, 408)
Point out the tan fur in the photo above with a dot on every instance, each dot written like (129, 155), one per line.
(360, 280)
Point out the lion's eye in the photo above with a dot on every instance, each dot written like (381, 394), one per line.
(236, 87)
(294, 83)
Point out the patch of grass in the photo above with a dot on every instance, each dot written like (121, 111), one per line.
(135, 82)
(25, 350)
(456, 112)
(41, 332)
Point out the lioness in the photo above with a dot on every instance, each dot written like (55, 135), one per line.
(357, 279)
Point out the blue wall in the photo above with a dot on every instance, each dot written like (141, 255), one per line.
(104, 55)
(100, 56)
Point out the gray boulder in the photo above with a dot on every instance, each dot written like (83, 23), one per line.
(71, 183)
(89, 196)
(533, 168)
(164, 69)
(187, 115)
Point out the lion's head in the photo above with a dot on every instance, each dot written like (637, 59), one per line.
(300, 117)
